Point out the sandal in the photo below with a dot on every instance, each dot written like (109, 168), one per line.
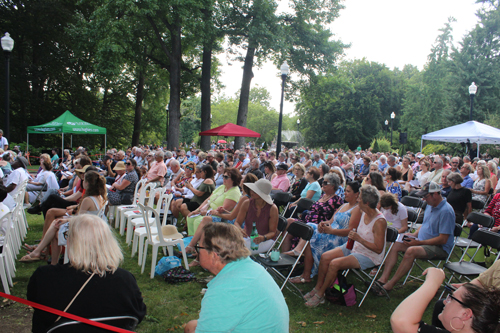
(310, 294)
(190, 249)
(315, 301)
(28, 247)
(373, 272)
(194, 263)
(298, 279)
(379, 290)
(29, 258)
(292, 253)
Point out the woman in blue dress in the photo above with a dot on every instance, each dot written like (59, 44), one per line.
(331, 234)
(392, 176)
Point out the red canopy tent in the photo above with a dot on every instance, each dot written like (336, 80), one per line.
(230, 130)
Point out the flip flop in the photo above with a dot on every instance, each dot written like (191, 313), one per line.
(379, 290)
(28, 258)
(292, 253)
(194, 263)
(298, 279)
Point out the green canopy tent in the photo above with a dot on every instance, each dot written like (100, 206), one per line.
(69, 124)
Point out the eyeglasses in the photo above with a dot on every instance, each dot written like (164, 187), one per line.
(128, 163)
(197, 248)
(451, 297)
(225, 177)
(454, 162)
(325, 183)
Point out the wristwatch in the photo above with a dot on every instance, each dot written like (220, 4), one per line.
(265, 238)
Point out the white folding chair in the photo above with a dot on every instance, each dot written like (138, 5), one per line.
(7, 264)
(115, 211)
(158, 240)
(140, 232)
(143, 191)
(133, 214)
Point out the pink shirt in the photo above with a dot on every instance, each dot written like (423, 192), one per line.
(282, 182)
(157, 169)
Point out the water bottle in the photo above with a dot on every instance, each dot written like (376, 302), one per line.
(350, 242)
(253, 246)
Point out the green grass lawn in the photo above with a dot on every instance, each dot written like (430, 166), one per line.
(171, 306)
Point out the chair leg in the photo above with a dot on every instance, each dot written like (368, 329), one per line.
(141, 247)
(153, 260)
(409, 272)
(184, 256)
(135, 240)
(130, 230)
(123, 222)
(144, 256)
(3, 276)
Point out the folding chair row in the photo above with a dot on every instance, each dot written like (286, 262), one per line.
(282, 199)
(7, 256)
(486, 221)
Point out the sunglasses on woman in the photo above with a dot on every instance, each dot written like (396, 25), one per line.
(225, 177)
(190, 168)
(128, 163)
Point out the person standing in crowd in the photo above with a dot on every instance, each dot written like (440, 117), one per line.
(227, 305)
(4, 143)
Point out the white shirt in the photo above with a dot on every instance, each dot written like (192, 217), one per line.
(3, 142)
(395, 220)
(17, 176)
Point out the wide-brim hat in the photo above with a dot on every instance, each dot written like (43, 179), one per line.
(263, 188)
(170, 232)
(23, 161)
(83, 169)
(120, 166)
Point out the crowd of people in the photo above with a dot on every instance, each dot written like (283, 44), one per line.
(224, 200)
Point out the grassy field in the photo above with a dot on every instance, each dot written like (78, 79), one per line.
(171, 306)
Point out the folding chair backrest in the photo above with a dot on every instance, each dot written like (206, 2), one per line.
(412, 202)
(482, 219)
(487, 238)
(301, 230)
(282, 223)
(282, 197)
(412, 215)
(392, 235)
(477, 204)
(304, 204)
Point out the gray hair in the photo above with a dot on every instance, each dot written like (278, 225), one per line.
(468, 166)
(333, 179)
(168, 154)
(159, 153)
(138, 151)
(383, 158)
(174, 163)
(455, 177)
(66, 151)
(446, 172)
(370, 196)
(282, 154)
(438, 161)
(373, 164)
(391, 158)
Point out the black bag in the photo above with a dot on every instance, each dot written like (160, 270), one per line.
(178, 274)
(341, 293)
(126, 198)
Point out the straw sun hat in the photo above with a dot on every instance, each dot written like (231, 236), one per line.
(263, 188)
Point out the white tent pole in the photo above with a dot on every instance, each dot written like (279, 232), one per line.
(71, 141)
(62, 143)
(478, 148)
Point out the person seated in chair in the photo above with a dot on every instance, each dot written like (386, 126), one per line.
(433, 240)
(226, 306)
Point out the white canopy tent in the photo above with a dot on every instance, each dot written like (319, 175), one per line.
(471, 131)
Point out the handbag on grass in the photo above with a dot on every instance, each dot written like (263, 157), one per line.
(178, 274)
(341, 292)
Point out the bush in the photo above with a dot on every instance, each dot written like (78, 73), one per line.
(433, 149)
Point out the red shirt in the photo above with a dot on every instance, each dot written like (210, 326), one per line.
(494, 209)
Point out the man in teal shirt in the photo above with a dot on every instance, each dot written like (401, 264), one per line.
(242, 297)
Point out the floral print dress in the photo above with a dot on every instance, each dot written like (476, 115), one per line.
(394, 188)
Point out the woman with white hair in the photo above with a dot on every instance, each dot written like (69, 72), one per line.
(492, 167)
(91, 284)
(482, 185)
(368, 250)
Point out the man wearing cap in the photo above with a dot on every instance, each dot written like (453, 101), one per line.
(4, 144)
(242, 297)
(433, 240)
(17, 176)
(281, 181)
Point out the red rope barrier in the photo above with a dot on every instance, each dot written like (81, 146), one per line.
(65, 314)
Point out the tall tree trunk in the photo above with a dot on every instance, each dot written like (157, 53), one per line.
(175, 87)
(206, 94)
(139, 97)
(245, 94)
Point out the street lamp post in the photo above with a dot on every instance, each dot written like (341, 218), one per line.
(284, 73)
(168, 120)
(472, 93)
(386, 127)
(298, 124)
(7, 46)
(393, 115)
